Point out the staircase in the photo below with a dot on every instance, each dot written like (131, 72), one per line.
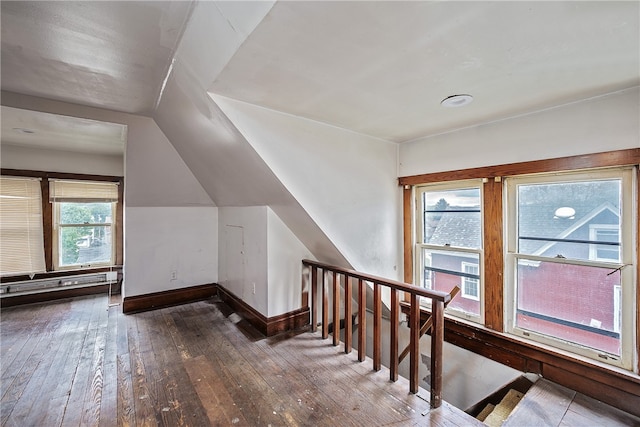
(545, 403)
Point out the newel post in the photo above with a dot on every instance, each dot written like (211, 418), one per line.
(437, 340)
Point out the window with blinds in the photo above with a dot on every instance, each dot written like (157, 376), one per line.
(21, 230)
(82, 191)
(84, 214)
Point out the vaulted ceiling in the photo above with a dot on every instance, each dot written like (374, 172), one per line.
(377, 68)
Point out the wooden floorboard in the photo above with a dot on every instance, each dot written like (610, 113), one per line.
(82, 362)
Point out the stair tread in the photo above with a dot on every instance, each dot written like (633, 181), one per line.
(501, 412)
(485, 412)
(544, 404)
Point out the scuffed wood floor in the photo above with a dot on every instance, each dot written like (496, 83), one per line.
(80, 362)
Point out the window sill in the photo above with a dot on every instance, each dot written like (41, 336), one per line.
(59, 273)
(610, 384)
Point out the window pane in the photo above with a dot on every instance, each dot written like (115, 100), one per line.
(579, 304)
(21, 232)
(452, 218)
(85, 213)
(448, 269)
(85, 245)
(555, 219)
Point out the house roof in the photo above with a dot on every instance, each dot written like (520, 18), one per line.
(536, 216)
(460, 229)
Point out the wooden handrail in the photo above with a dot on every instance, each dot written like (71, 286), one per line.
(393, 284)
(438, 301)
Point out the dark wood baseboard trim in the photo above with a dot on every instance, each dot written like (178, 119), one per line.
(268, 326)
(10, 301)
(168, 298)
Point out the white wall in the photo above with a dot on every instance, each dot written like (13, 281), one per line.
(284, 252)
(160, 241)
(606, 123)
(39, 159)
(347, 182)
(243, 254)
(173, 205)
(260, 259)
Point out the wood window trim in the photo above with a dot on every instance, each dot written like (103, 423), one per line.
(493, 218)
(47, 219)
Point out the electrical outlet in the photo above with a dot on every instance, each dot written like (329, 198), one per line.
(174, 275)
(254, 288)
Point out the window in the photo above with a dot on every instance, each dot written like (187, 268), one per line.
(470, 283)
(449, 243)
(608, 246)
(84, 215)
(21, 229)
(569, 251)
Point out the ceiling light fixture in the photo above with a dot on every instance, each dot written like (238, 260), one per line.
(456, 101)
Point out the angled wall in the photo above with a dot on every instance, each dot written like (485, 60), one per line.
(347, 182)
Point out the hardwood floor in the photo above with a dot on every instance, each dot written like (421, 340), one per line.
(82, 362)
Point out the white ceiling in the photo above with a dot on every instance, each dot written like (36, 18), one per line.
(382, 68)
(51, 131)
(113, 55)
(378, 68)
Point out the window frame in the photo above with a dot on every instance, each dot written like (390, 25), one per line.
(463, 282)
(419, 246)
(47, 219)
(512, 351)
(32, 229)
(593, 235)
(512, 257)
(57, 230)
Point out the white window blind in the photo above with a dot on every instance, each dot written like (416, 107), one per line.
(21, 234)
(82, 191)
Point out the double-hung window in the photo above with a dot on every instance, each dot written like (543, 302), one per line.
(21, 226)
(449, 243)
(84, 223)
(570, 261)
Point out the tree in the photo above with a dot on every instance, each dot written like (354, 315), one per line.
(442, 205)
(78, 214)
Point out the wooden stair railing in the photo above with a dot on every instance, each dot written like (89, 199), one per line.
(428, 324)
(438, 301)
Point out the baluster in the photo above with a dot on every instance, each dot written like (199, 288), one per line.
(348, 328)
(325, 305)
(414, 343)
(336, 309)
(362, 320)
(395, 324)
(377, 326)
(437, 339)
(314, 298)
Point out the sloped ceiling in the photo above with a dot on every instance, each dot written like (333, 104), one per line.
(378, 68)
